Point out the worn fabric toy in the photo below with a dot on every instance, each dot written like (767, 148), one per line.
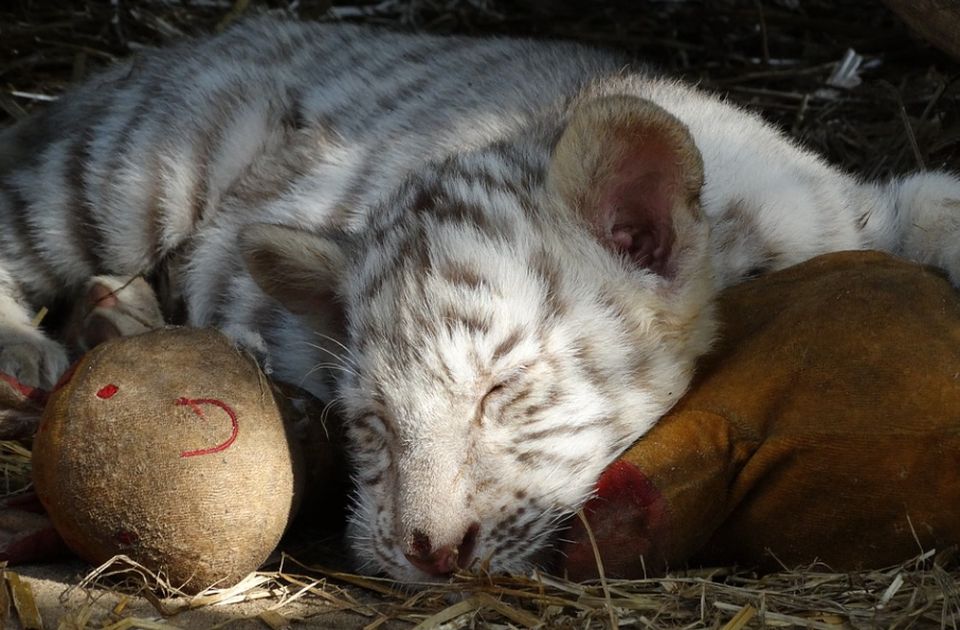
(168, 447)
(825, 426)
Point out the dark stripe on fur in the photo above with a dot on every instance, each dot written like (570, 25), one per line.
(80, 212)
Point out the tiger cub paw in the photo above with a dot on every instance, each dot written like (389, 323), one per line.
(30, 357)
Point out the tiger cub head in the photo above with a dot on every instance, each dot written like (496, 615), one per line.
(513, 318)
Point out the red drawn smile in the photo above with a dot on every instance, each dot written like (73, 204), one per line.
(194, 404)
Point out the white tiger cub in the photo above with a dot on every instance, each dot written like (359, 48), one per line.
(498, 256)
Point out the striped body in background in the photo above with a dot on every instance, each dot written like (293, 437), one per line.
(498, 257)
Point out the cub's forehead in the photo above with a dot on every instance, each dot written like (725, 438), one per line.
(450, 308)
(451, 292)
(458, 258)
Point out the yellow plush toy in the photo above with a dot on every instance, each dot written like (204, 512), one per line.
(825, 426)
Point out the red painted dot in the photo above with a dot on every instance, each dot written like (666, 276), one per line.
(108, 391)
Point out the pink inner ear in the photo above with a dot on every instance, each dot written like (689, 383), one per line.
(636, 211)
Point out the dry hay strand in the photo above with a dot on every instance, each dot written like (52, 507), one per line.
(277, 590)
(14, 468)
(17, 594)
(919, 592)
(923, 592)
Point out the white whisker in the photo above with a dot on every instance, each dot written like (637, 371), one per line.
(348, 353)
(331, 366)
(340, 359)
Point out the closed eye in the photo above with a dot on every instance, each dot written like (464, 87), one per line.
(492, 403)
(496, 389)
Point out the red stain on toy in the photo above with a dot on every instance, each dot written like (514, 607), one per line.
(629, 518)
(195, 405)
(108, 391)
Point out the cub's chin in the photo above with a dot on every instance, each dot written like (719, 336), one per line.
(365, 558)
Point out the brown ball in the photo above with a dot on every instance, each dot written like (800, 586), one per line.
(168, 447)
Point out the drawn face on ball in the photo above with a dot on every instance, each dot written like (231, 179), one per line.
(185, 467)
(198, 407)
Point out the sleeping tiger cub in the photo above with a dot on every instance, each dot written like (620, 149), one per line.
(498, 257)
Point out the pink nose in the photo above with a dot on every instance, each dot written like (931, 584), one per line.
(445, 560)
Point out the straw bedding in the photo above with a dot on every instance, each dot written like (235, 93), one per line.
(889, 105)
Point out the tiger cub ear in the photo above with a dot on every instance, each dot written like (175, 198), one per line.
(633, 173)
(298, 268)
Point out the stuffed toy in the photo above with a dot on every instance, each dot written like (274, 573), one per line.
(824, 427)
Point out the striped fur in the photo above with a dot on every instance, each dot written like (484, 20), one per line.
(442, 272)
